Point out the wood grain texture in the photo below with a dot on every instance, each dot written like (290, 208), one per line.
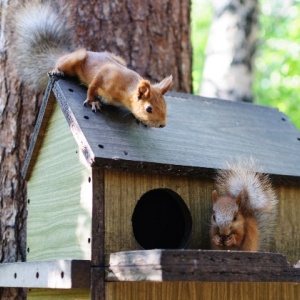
(122, 192)
(46, 294)
(59, 274)
(98, 290)
(98, 236)
(60, 197)
(98, 219)
(201, 290)
(201, 265)
(200, 135)
(287, 230)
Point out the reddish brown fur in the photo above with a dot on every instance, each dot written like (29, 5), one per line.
(106, 75)
(240, 227)
(245, 191)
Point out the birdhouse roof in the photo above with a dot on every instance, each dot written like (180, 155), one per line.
(201, 134)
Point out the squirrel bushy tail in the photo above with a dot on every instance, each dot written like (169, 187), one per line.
(258, 197)
(40, 34)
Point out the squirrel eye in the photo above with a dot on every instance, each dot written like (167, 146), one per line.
(149, 109)
(234, 217)
(214, 218)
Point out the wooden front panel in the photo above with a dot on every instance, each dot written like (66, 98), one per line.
(287, 231)
(122, 192)
(201, 291)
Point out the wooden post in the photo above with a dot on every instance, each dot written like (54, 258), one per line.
(98, 235)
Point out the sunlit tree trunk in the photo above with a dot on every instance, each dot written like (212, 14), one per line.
(228, 70)
(154, 38)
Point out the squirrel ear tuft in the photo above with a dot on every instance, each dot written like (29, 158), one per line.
(165, 84)
(144, 90)
(214, 196)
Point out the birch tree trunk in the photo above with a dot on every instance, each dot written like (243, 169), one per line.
(154, 38)
(228, 70)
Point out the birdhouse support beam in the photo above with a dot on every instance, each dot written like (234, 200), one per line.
(56, 274)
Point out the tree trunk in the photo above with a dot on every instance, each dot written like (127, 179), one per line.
(154, 38)
(228, 70)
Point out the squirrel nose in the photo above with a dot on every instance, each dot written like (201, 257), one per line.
(162, 126)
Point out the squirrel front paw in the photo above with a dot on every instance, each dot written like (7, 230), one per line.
(230, 240)
(96, 106)
(217, 240)
(56, 72)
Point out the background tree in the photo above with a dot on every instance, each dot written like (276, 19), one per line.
(276, 72)
(154, 38)
(277, 63)
(228, 70)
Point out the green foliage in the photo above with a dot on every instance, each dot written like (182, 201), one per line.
(277, 63)
(277, 80)
(202, 13)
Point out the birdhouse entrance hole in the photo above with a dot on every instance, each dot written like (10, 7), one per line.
(161, 220)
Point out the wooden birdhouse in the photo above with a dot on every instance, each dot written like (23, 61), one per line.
(120, 211)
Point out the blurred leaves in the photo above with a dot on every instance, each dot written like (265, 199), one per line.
(277, 63)
(277, 78)
(201, 14)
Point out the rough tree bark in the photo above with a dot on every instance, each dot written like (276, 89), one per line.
(154, 38)
(228, 70)
(18, 110)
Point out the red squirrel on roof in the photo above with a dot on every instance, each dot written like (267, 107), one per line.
(41, 43)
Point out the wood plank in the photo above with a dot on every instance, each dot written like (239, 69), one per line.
(59, 197)
(202, 290)
(286, 237)
(208, 130)
(98, 219)
(46, 294)
(56, 274)
(200, 265)
(124, 189)
(39, 129)
(98, 236)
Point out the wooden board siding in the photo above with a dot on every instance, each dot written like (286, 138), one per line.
(122, 192)
(287, 237)
(179, 291)
(46, 294)
(201, 291)
(59, 197)
(54, 274)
